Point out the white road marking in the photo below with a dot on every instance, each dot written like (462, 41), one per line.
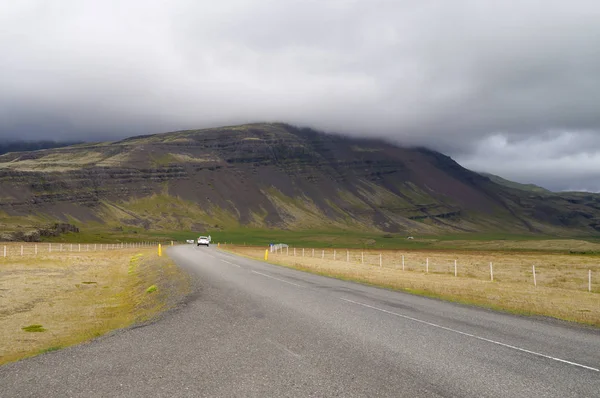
(277, 279)
(225, 261)
(473, 336)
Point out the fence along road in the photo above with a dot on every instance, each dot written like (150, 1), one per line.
(12, 250)
(571, 272)
(253, 329)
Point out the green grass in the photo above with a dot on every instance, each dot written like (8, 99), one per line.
(329, 238)
(151, 289)
(33, 328)
(349, 239)
(50, 349)
(490, 236)
(228, 231)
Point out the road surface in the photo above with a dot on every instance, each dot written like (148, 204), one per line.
(255, 330)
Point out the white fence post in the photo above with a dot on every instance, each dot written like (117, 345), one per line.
(491, 272)
(362, 257)
(36, 249)
(4, 251)
(589, 280)
(49, 247)
(322, 254)
(287, 251)
(313, 252)
(403, 262)
(79, 246)
(427, 265)
(534, 279)
(455, 269)
(302, 252)
(380, 260)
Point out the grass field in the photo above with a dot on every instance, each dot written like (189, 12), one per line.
(53, 300)
(118, 232)
(562, 280)
(378, 240)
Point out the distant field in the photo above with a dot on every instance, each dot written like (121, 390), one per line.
(562, 279)
(55, 299)
(379, 240)
(118, 232)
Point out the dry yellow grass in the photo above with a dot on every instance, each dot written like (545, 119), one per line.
(78, 296)
(561, 290)
(12, 250)
(545, 245)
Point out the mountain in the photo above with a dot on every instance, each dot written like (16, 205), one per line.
(272, 176)
(21, 146)
(512, 184)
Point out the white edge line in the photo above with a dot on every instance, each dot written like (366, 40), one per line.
(473, 336)
(225, 261)
(277, 279)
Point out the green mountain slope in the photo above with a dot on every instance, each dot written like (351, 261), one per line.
(512, 184)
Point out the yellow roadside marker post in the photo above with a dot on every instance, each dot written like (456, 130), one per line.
(266, 254)
(159, 250)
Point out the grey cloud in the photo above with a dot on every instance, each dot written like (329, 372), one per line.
(454, 76)
(559, 161)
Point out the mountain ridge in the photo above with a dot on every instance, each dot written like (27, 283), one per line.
(273, 175)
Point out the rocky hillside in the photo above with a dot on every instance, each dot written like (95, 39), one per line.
(274, 176)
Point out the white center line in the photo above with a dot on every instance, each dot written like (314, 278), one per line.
(473, 336)
(277, 279)
(225, 261)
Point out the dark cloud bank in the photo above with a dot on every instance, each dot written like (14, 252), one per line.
(510, 87)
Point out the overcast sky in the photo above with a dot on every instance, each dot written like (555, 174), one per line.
(510, 87)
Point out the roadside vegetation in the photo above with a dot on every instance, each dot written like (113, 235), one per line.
(53, 300)
(560, 290)
(367, 240)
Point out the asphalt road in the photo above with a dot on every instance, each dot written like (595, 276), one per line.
(256, 330)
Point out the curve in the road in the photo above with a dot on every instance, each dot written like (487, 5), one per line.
(252, 329)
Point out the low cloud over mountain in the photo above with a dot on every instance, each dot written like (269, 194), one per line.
(508, 87)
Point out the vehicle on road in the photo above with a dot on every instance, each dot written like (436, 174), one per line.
(203, 240)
